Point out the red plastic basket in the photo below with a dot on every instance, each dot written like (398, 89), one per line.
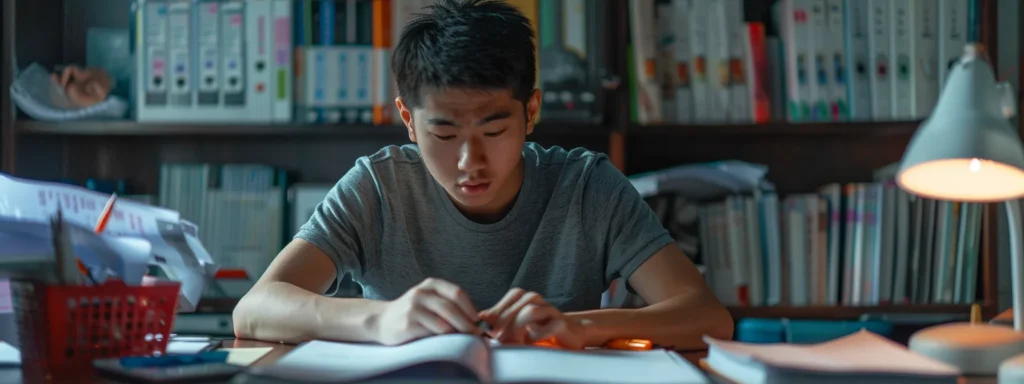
(65, 328)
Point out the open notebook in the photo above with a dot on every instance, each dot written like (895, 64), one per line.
(322, 361)
(861, 357)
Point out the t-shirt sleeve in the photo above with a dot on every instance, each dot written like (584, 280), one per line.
(622, 222)
(346, 224)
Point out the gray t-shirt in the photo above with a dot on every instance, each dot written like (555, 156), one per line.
(576, 225)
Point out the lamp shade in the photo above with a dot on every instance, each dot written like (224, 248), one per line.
(967, 150)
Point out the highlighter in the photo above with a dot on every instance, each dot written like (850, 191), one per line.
(547, 343)
(629, 344)
(618, 344)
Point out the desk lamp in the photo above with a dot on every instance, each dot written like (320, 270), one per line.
(968, 151)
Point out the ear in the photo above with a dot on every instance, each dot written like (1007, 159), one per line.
(532, 110)
(406, 113)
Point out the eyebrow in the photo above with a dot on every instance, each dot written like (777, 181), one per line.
(488, 119)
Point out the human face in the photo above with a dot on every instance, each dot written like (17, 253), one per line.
(472, 141)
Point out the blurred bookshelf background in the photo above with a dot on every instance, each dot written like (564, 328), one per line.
(241, 114)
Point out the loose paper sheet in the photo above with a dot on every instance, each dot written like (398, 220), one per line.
(173, 242)
(860, 352)
(245, 356)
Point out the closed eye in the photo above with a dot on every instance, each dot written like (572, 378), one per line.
(444, 138)
(495, 134)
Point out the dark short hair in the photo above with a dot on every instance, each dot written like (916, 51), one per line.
(482, 44)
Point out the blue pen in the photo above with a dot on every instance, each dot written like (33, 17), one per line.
(174, 360)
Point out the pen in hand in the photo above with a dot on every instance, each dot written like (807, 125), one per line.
(484, 327)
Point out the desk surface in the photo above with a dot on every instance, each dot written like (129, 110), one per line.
(13, 375)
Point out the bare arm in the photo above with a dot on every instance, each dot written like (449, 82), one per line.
(287, 303)
(682, 308)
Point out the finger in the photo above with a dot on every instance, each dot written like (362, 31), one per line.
(75, 95)
(96, 91)
(511, 297)
(432, 322)
(508, 316)
(457, 295)
(545, 322)
(528, 325)
(558, 330)
(67, 75)
(545, 326)
(534, 317)
(450, 313)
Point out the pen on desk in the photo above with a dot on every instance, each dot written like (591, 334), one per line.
(630, 344)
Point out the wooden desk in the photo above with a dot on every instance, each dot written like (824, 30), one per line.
(13, 375)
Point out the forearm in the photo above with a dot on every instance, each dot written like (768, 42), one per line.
(680, 322)
(278, 311)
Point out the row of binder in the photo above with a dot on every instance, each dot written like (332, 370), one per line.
(326, 61)
(241, 51)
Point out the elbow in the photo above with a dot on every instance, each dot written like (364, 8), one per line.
(720, 324)
(716, 321)
(243, 319)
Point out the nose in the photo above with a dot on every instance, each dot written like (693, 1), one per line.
(471, 156)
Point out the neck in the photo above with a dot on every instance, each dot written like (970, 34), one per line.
(503, 201)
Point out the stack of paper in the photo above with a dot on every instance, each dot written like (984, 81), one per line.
(862, 357)
(136, 237)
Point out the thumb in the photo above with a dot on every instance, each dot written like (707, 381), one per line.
(96, 90)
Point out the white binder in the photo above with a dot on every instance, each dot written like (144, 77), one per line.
(952, 35)
(214, 61)
(258, 57)
(232, 45)
(281, 96)
(208, 48)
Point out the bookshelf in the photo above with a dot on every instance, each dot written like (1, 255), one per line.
(841, 313)
(772, 130)
(800, 156)
(350, 131)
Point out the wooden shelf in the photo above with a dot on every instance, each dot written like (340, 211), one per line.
(833, 312)
(867, 128)
(132, 128)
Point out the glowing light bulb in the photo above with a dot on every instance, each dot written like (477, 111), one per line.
(975, 165)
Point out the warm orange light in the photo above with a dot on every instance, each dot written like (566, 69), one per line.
(970, 180)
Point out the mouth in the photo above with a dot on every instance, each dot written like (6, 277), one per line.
(474, 187)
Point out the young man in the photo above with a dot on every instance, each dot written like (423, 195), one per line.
(472, 223)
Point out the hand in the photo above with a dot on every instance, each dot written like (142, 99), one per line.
(433, 307)
(523, 317)
(84, 87)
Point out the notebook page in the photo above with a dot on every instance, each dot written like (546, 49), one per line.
(9, 355)
(863, 352)
(342, 362)
(537, 364)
